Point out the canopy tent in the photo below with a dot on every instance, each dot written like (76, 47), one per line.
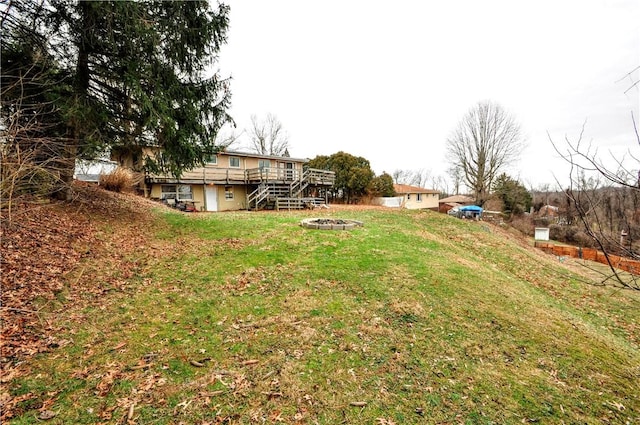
(471, 208)
(473, 212)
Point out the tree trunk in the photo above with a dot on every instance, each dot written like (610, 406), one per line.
(81, 88)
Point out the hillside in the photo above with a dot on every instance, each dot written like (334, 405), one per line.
(117, 310)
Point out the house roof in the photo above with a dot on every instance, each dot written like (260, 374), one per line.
(459, 199)
(405, 188)
(257, 155)
(92, 178)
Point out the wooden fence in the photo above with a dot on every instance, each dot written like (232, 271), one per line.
(622, 263)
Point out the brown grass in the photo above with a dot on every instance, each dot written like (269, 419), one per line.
(120, 180)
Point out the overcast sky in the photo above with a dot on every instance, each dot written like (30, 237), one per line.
(389, 81)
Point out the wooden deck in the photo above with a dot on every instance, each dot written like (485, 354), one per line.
(253, 176)
(278, 188)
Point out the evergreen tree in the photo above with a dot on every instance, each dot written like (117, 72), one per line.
(515, 198)
(140, 75)
(382, 185)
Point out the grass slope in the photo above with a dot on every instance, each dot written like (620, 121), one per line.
(414, 318)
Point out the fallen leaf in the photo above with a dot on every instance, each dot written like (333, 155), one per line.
(46, 415)
(358, 403)
(119, 346)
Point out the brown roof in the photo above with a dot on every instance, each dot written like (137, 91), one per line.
(405, 188)
(259, 155)
(459, 199)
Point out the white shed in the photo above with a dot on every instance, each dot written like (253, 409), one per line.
(542, 234)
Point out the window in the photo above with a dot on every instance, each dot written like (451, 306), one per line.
(184, 192)
(168, 191)
(419, 197)
(212, 159)
(264, 163)
(179, 192)
(408, 196)
(228, 193)
(289, 170)
(234, 162)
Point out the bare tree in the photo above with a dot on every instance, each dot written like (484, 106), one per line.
(401, 176)
(268, 137)
(633, 78)
(440, 184)
(421, 178)
(227, 136)
(456, 178)
(609, 212)
(486, 140)
(418, 178)
(32, 136)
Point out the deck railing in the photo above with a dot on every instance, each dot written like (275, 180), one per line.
(257, 196)
(205, 175)
(267, 174)
(251, 176)
(310, 175)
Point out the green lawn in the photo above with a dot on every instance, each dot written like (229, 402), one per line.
(416, 317)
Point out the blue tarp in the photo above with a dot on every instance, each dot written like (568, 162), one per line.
(472, 208)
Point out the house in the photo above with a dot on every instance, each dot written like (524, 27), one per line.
(233, 180)
(549, 212)
(90, 171)
(417, 197)
(445, 204)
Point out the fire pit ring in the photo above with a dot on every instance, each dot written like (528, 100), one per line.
(330, 223)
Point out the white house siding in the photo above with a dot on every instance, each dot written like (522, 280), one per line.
(427, 200)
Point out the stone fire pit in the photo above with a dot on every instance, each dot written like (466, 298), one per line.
(330, 223)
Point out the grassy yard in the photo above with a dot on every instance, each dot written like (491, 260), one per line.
(414, 318)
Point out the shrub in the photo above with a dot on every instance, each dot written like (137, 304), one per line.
(583, 239)
(572, 235)
(119, 180)
(562, 233)
(541, 222)
(523, 223)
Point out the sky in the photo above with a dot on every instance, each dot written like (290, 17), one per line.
(390, 81)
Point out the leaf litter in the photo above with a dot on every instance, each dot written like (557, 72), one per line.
(44, 248)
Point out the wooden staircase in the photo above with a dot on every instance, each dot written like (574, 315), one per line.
(289, 195)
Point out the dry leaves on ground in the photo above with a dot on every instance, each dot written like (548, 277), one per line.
(44, 248)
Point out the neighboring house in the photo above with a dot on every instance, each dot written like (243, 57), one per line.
(417, 197)
(388, 201)
(445, 204)
(90, 171)
(549, 211)
(233, 180)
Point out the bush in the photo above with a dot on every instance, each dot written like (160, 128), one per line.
(523, 223)
(584, 240)
(541, 222)
(119, 180)
(572, 235)
(21, 178)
